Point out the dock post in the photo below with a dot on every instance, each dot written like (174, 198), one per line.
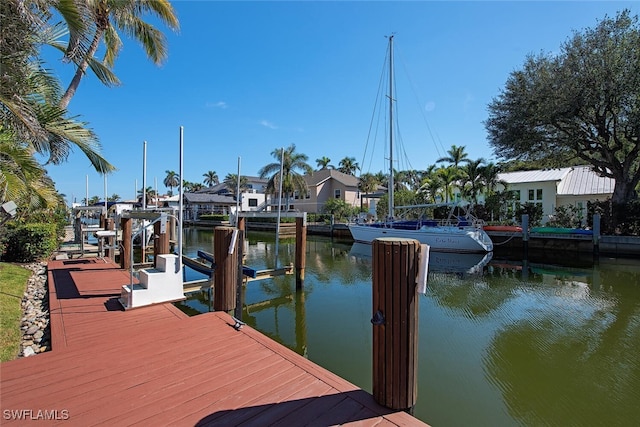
(596, 236)
(240, 276)
(395, 322)
(125, 249)
(301, 249)
(110, 251)
(160, 241)
(226, 272)
(525, 235)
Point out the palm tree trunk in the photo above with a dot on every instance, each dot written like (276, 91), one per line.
(82, 68)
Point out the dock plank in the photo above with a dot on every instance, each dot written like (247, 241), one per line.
(157, 366)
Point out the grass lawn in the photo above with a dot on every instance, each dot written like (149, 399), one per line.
(13, 282)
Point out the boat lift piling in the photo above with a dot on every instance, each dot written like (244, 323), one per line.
(398, 264)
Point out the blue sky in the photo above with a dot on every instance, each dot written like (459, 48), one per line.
(247, 78)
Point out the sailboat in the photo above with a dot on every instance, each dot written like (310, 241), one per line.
(462, 234)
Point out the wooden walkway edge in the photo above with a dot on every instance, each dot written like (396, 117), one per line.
(157, 366)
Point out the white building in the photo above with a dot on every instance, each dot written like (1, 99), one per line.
(574, 186)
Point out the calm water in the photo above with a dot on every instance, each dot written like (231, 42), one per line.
(500, 342)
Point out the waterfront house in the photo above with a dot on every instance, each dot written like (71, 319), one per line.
(324, 185)
(574, 186)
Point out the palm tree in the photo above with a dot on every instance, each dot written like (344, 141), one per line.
(150, 194)
(323, 163)
(109, 16)
(472, 180)
(348, 165)
(490, 176)
(114, 198)
(431, 187)
(22, 179)
(231, 182)
(171, 180)
(368, 184)
(32, 122)
(291, 180)
(448, 176)
(456, 155)
(211, 179)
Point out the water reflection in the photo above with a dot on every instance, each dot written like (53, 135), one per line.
(441, 262)
(501, 342)
(569, 354)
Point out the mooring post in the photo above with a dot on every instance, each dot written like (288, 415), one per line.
(225, 249)
(395, 322)
(125, 249)
(301, 249)
(110, 251)
(240, 276)
(596, 236)
(160, 241)
(525, 235)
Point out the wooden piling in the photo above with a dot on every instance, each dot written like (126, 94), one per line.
(239, 276)
(226, 272)
(110, 251)
(596, 236)
(160, 241)
(301, 250)
(125, 249)
(395, 322)
(525, 236)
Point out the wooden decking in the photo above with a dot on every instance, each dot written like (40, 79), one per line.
(157, 366)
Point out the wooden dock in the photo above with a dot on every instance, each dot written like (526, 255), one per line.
(157, 366)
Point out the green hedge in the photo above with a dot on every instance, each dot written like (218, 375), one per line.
(271, 220)
(214, 217)
(29, 242)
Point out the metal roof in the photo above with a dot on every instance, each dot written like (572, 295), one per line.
(540, 175)
(583, 180)
(577, 180)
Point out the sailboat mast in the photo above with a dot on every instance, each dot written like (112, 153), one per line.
(391, 182)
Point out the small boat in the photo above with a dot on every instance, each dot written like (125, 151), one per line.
(503, 228)
(456, 234)
(561, 230)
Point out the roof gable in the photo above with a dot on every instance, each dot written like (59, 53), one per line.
(318, 177)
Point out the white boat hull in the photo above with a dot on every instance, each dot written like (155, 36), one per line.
(443, 239)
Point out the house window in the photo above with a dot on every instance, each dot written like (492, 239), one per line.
(336, 194)
(535, 195)
(253, 203)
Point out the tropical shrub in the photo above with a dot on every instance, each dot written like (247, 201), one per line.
(534, 210)
(29, 242)
(569, 216)
(616, 218)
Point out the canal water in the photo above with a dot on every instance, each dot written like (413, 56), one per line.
(501, 342)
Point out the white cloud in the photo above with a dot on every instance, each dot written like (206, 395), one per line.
(429, 106)
(219, 104)
(268, 124)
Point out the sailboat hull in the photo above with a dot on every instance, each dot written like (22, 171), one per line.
(442, 239)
